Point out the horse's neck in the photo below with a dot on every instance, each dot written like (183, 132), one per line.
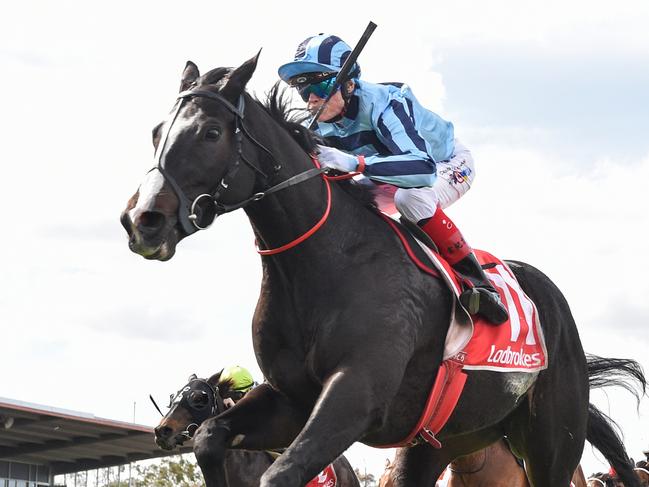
(290, 213)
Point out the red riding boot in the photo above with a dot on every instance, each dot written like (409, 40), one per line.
(482, 298)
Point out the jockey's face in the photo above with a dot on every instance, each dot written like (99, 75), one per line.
(334, 107)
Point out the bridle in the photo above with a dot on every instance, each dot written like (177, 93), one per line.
(601, 482)
(199, 413)
(643, 470)
(597, 480)
(191, 211)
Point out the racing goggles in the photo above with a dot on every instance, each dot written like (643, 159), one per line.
(320, 84)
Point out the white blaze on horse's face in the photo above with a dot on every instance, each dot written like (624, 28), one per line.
(148, 192)
(154, 180)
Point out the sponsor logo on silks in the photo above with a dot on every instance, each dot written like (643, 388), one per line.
(510, 357)
(460, 176)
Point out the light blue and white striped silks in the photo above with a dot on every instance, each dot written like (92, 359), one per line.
(400, 139)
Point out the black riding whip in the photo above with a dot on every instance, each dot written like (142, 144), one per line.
(156, 405)
(343, 74)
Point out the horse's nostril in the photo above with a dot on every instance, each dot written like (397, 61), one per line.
(150, 222)
(163, 432)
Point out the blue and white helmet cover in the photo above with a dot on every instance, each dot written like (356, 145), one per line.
(323, 53)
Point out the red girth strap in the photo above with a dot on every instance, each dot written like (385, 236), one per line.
(446, 392)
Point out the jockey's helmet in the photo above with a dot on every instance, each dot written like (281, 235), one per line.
(240, 378)
(321, 54)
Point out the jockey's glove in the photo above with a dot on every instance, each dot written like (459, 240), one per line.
(337, 159)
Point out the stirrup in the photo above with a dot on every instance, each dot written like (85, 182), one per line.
(470, 299)
(486, 303)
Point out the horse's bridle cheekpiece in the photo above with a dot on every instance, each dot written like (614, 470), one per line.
(183, 397)
(191, 214)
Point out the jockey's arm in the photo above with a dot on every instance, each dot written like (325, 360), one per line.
(409, 165)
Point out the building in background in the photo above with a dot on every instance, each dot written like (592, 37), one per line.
(39, 442)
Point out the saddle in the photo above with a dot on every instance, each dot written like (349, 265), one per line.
(471, 343)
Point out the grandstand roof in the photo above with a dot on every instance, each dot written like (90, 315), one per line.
(71, 441)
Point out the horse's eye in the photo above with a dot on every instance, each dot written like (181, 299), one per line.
(212, 134)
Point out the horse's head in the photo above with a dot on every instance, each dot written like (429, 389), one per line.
(197, 401)
(198, 154)
(642, 471)
(601, 480)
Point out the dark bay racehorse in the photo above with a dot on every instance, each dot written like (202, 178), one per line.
(201, 399)
(494, 466)
(347, 331)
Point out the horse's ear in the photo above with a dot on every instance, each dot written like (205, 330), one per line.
(239, 79)
(214, 380)
(190, 74)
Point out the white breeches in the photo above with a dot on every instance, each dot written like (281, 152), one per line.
(454, 178)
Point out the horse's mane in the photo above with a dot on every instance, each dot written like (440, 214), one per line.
(226, 385)
(277, 104)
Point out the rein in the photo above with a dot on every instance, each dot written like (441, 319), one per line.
(190, 212)
(322, 220)
(313, 229)
(217, 405)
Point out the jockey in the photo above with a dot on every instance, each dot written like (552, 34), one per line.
(382, 131)
(240, 381)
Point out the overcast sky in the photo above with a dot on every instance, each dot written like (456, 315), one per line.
(552, 98)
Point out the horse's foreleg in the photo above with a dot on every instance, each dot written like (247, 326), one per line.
(349, 405)
(263, 420)
(209, 449)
